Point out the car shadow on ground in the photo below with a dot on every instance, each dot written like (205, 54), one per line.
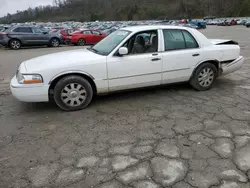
(130, 95)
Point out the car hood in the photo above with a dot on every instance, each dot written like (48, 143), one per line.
(70, 58)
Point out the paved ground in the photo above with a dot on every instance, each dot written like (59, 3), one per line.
(164, 137)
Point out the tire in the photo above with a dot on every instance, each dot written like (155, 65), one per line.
(204, 77)
(81, 42)
(73, 93)
(15, 44)
(54, 42)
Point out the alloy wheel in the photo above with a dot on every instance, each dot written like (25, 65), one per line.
(55, 43)
(81, 42)
(15, 44)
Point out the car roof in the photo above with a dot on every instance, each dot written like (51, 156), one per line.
(23, 26)
(151, 27)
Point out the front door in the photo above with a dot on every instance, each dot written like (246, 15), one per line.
(180, 55)
(40, 37)
(140, 68)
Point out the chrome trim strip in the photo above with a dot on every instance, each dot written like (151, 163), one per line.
(147, 74)
(176, 70)
(134, 76)
(69, 72)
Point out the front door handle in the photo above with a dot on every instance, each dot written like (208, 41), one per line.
(195, 55)
(156, 59)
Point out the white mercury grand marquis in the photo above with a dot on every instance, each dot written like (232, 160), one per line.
(131, 57)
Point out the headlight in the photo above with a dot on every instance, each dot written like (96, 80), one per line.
(29, 78)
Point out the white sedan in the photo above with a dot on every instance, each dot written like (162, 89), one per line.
(128, 58)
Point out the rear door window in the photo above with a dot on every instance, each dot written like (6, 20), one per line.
(176, 39)
(23, 30)
(190, 40)
(86, 32)
(95, 32)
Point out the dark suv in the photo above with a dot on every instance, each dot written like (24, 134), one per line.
(19, 36)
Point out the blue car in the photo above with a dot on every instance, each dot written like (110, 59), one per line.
(200, 24)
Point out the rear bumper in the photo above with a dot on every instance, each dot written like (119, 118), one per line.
(232, 67)
(4, 42)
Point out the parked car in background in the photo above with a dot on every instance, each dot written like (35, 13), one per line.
(233, 22)
(247, 24)
(109, 31)
(191, 26)
(3, 28)
(124, 61)
(224, 23)
(242, 22)
(85, 37)
(199, 24)
(19, 36)
(67, 35)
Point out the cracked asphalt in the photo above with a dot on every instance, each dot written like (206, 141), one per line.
(171, 136)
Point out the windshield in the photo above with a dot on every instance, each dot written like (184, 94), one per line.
(108, 44)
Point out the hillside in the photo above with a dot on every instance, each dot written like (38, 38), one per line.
(91, 10)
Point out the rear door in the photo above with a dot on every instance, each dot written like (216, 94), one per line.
(97, 36)
(87, 35)
(24, 34)
(181, 53)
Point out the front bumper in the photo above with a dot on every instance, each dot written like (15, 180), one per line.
(232, 67)
(29, 93)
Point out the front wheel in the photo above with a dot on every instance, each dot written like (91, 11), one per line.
(55, 42)
(73, 93)
(204, 77)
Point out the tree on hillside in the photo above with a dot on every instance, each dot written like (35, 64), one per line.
(91, 10)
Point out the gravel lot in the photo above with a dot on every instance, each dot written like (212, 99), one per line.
(169, 136)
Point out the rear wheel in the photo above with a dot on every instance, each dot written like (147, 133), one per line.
(81, 42)
(204, 77)
(15, 44)
(73, 93)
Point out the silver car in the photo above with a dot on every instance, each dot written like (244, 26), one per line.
(19, 36)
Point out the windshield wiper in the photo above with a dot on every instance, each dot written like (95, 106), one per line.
(93, 50)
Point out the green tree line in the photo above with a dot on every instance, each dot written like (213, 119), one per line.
(91, 10)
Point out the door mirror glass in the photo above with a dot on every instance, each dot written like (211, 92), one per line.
(123, 51)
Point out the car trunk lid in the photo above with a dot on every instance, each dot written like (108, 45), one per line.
(223, 42)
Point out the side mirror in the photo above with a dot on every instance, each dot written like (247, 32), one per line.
(45, 32)
(123, 51)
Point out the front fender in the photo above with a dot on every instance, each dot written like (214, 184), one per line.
(71, 72)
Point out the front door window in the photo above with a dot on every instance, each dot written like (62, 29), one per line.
(143, 42)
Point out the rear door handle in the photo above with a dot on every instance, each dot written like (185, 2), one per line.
(195, 55)
(156, 59)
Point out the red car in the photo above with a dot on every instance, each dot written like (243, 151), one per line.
(233, 22)
(66, 34)
(84, 37)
